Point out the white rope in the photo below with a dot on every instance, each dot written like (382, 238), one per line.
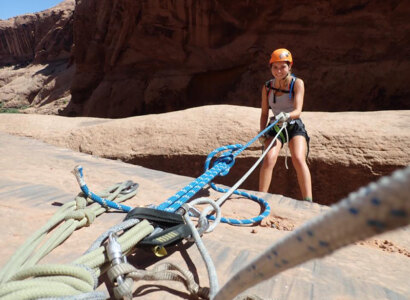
(212, 275)
(225, 196)
(372, 210)
(287, 146)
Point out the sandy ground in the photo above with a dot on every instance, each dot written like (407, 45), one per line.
(36, 177)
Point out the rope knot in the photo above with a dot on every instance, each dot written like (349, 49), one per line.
(90, 216)
(80, 202)
(81, 214)
(228, 159)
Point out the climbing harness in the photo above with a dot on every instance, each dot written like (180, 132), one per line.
(269, 87)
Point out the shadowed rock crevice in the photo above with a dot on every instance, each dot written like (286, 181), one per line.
(328, 187)
(213, 87)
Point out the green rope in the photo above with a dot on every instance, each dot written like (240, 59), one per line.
(52, 280)
(21, 278)
(70, 217)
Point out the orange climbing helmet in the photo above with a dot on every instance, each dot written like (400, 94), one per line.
(281, 54)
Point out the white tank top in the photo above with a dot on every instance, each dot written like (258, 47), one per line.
(282, 103)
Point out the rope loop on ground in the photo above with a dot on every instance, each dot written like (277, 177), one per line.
(212, 275)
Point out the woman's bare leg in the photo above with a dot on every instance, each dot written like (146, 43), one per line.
(265, 174)
(298, 149)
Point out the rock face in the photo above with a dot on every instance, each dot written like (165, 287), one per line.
(39, 37)
(35, 66)
(347, 150)
(36, 88)
(141, 57)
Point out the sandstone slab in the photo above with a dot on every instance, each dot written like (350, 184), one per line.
(347, 150)
(36, 177)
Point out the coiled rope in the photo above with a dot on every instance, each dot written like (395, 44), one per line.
(70, 217)
(212, 275)
(78, 278)
(372, 210)
(21, 278)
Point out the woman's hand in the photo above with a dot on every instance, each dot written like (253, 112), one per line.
(282, 117)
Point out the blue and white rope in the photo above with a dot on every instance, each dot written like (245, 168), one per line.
(78, 172)
(173, 203)
(372, 210)
(221, 167)
(233, 190)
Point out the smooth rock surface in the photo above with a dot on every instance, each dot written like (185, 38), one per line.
(36, 177)
(347, 150)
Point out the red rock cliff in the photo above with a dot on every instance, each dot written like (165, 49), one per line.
(139, 57)
(40, 37)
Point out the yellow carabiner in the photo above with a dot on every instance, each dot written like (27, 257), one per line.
(159, 251)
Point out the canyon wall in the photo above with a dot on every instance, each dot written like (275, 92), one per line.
(36, 68)
(141, 57)
(39, 37)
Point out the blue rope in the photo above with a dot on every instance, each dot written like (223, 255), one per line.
(78, 171)
(250, 221)
(230, 157)
(221, 167)
(173, 203)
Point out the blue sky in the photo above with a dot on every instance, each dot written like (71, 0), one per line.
(12, 8)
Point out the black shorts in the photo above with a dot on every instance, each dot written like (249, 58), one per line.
(295, 128)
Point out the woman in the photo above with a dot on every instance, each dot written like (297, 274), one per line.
(284, 95)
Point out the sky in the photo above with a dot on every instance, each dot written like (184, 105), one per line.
(12, 8)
